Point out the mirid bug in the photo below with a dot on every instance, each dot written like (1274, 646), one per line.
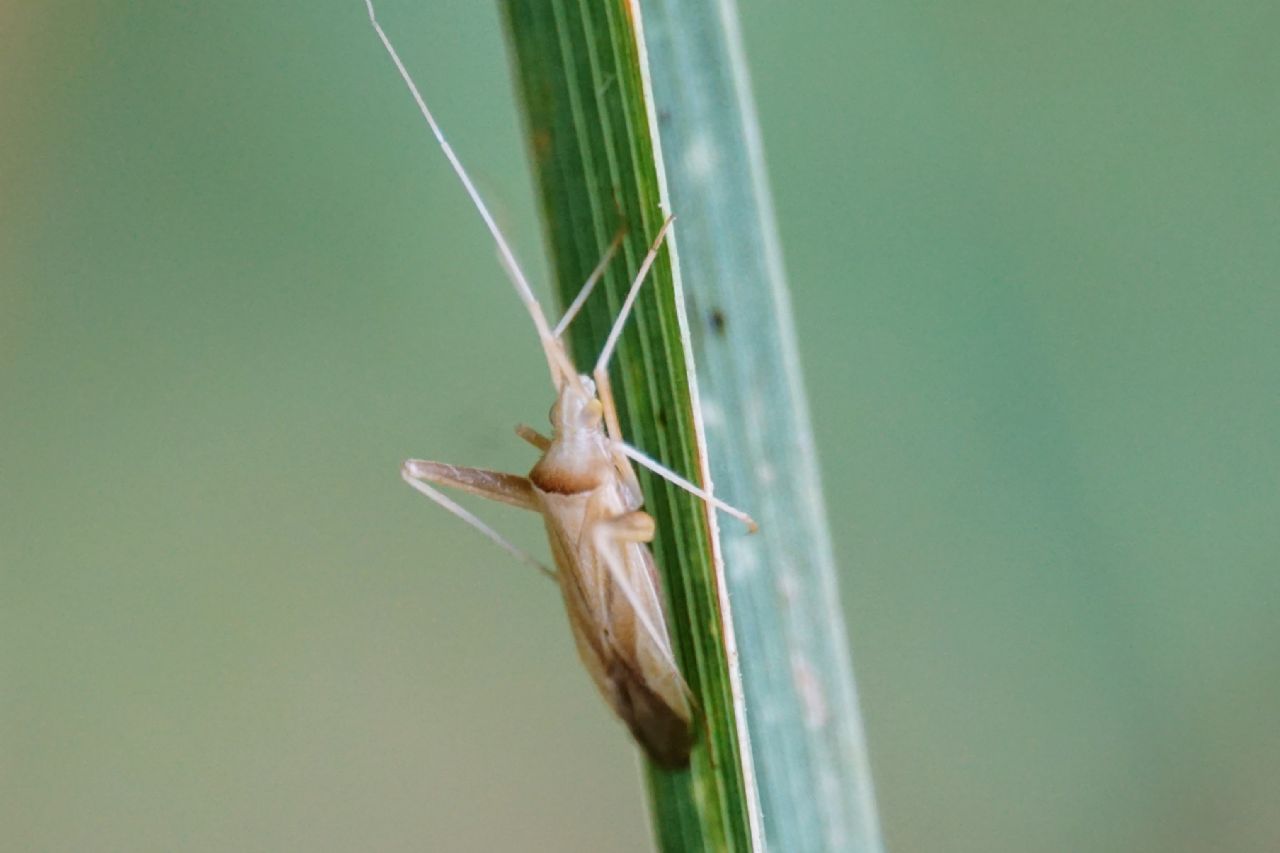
(586, 490)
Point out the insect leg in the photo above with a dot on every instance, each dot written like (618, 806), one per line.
(610, 537)
(492, 485)
(506, 488)
(534, 437)
(674, 478)
(629, 528)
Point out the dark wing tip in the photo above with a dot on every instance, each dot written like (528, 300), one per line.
(664, 732)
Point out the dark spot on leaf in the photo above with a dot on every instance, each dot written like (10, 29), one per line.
(661, 417)
(717, 321)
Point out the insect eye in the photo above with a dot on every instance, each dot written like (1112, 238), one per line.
(594, 411)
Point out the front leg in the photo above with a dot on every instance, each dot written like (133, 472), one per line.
(493, 485)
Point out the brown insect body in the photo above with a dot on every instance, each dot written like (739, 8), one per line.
(598, 534)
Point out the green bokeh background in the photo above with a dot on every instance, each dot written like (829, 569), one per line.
(1034, 251)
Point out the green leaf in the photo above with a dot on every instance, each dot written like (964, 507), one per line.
(806, 738)
(601, 129)
(591, 132)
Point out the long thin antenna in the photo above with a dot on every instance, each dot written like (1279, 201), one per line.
(620, 321)
(504, 249)
(562, 369)
(592, 281)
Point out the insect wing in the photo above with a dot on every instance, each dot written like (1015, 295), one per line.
(633, 669)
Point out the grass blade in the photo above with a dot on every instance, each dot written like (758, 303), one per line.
(806, 735)
(591, 129)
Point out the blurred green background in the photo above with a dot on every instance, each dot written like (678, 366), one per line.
(1034, 252)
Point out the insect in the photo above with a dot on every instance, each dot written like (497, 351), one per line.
(586, 490)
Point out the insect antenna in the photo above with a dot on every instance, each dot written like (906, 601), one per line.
(604, 390)
(590, 285)
(602, 363)
(561, 368)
